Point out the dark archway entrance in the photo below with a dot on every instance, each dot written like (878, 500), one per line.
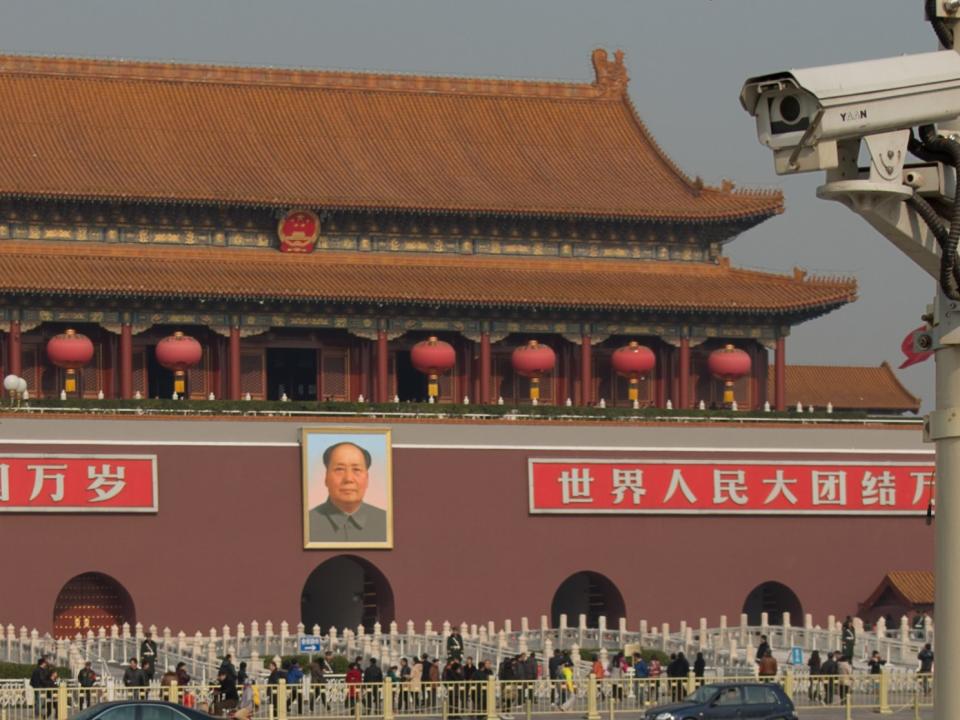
(159, 379)
(292, 371)
(590, 594)
(344, 592)
(774, 599)
(89, 602)
(411, 384)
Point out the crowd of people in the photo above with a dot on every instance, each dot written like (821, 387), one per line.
(456, 686)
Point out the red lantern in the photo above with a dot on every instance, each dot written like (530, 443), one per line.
(178, 352)
(633, 361)
(533, 360)
(70, 350)
(433, 357)
(728, 364)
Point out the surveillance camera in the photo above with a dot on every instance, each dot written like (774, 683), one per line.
(802, 114)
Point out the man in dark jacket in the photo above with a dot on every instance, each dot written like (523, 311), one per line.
(925, 657)
(227, 696)
(371, 695)
(39, 679)
(133, 677)
(86, 678)
(762, 649)
(683, 672)
(480, 688)
(829, 670)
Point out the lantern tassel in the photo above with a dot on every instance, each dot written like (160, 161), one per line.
(71, 381)
(535, 388)
(728, 393)
(433, 386)
(179, 383)
(634, 391)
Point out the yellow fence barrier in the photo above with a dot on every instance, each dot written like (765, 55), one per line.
(489, 699)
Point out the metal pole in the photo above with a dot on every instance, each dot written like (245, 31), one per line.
(945, 430)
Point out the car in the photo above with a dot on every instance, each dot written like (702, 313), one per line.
(735, 700)
(140, 710)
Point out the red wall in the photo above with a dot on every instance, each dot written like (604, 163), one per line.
(226, 547)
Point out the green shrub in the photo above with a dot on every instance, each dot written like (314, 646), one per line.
(17, 671)
(338, 662)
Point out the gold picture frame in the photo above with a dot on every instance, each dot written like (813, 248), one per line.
(347, 505)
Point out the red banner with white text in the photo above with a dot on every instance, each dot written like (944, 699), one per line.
(78, 483)
(765, 487)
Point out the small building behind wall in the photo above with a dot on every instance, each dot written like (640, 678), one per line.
(901, 593)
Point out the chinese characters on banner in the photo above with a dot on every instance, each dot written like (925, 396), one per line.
(758, 487)
(78, 483)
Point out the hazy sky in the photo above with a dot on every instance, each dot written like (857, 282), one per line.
(687, 60)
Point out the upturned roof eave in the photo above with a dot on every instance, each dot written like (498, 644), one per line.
(799, 312)
(752, 216)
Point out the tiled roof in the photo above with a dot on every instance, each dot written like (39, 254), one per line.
(915, 585)
(846, 387)
(136, 131)
(100, 269)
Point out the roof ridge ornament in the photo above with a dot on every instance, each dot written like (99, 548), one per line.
(612, 77)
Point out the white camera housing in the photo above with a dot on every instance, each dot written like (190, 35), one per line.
(802, 114)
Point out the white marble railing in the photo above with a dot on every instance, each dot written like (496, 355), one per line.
(723, 645)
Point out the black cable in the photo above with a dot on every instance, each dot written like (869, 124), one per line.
(944, 34)
(948, 257)
(931, 217)
(917, 149)
(933, 220)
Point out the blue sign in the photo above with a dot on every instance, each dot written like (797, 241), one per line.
(796, 656)
(310, 644)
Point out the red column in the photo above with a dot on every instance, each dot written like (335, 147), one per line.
(586, 371)
(362, 384)
(780, 376)
(684, 372)
(15, 360)
(755, 370)
(382, 366)
(126, 361)
(234, 364)
(661, 388)
(485, 368)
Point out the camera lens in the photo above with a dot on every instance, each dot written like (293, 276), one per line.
(790, 109)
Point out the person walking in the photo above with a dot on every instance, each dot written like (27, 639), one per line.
(814, 682)
(641, 674)
(134, 678)
(569, 689)
(699, 668)
(828, 672)
(416, 682)
(762, 649)
(768, 666)
(86, 679)
(353, 680)
(656, 670)
(845, 673)
(479, 685)
(925, 657)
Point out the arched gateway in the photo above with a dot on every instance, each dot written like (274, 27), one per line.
(89, 602)
(344, 592)
(775, 599)
(587, 593)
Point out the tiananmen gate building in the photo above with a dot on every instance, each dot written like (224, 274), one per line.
(305, 232)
